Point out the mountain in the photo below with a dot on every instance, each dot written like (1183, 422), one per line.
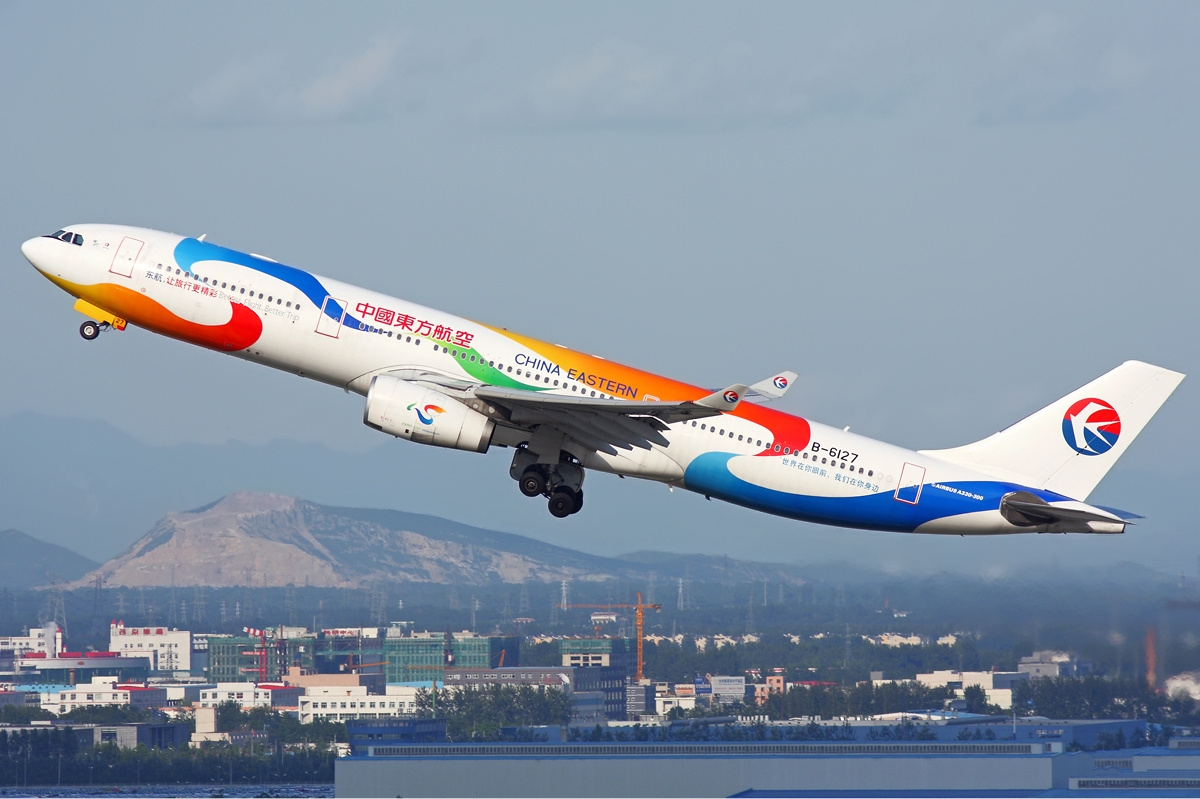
(273, 540)
(29, 561)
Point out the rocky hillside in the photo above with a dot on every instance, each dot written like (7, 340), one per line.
(272, 540)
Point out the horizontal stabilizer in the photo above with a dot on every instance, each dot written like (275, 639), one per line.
(724, 399)
(1028, 510)
(772, 388)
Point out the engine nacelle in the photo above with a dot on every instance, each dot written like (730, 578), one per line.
(406, 410)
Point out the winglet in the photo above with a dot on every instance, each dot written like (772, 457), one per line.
(724, 400)
(772, 388)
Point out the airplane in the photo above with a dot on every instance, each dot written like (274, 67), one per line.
(434, 378)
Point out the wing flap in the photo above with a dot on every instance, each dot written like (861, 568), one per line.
(607, 425)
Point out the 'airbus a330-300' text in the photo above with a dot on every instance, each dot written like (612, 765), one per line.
(435, 378)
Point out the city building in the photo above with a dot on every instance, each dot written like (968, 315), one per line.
(250, 695)
(405, 694)
(243, 658)
(306, 678)
(611, 681)
(181, 693)
(1050, 663)
(167, 649)
(206, 731)
(152, 735)
(46, 641)
(722, 689)
(953, 763)
(424, 655)
(69, 668)
(620, 653)
(997, 685)
(103, 692)
(342, 703)
(394, 732)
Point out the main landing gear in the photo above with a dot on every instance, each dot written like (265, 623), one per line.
(90, 330)
(561, 483)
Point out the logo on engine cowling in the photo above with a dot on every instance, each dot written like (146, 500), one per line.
(428, 409)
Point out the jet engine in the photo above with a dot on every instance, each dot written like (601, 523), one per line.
(406, 410)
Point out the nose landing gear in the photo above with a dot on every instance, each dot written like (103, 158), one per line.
(561, 483)
(90, 330)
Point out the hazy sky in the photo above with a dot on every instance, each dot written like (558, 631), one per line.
(943, 216)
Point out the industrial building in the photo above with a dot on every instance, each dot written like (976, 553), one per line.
(46, 641)
(425, 655)
(167, 649)
(342, 703)
(387, 762)
(251, 695)
(152, 735)
(103, 692)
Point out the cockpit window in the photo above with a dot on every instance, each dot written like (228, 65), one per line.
(63, 235)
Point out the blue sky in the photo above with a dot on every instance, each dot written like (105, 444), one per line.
(941, 215)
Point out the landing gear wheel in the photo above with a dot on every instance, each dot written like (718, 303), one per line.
(532, 483)
(89, 330)
(563, 503)
(578, 501)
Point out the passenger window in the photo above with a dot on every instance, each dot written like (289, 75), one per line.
(871, 473)
(739, 437)
(268, 298)
(787, 450)
(243, 291)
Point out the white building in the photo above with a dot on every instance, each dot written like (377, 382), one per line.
(180, 692)
(101, 692)
(1051, 663)
(250, 695)
(343, 702)
(997, 685)
(727, 690)
(46, 640)
(167, 649)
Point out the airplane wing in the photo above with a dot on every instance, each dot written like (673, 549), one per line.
(772, 388)
(606, 425)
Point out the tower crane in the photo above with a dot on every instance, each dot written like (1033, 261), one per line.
(639, 622)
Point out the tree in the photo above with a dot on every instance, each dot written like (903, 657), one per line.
(976, 699)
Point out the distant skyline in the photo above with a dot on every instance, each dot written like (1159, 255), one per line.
(941, 216)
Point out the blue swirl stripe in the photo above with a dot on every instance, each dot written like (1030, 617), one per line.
(191, 251)
(709, 474)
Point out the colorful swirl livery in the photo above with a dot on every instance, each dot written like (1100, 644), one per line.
(434, 378)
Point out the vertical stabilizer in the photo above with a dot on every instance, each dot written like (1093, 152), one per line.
(1068, 446)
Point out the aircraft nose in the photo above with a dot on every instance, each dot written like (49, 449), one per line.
(30, 250)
